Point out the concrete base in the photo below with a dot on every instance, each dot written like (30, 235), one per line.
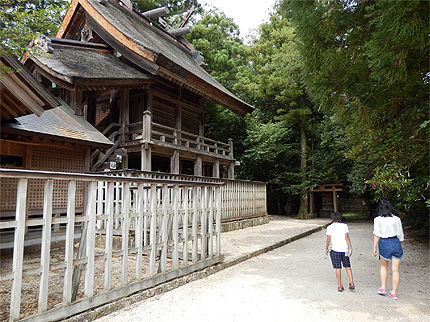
(244, 223)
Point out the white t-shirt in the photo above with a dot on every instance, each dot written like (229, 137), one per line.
(385, 227)
(337, 232)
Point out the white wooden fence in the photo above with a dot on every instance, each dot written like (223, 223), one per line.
(240, 199)
(175, 226)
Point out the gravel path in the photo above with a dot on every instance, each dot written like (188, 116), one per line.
(296, 283)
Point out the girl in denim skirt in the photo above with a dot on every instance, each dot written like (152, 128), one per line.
(388, 236)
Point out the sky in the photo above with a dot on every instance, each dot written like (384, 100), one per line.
(248, 14)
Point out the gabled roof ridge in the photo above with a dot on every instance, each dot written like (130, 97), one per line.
(79, 43)
(175, 41)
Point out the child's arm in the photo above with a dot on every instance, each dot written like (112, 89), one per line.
(327, 243)
(375, 243)
(348, 241)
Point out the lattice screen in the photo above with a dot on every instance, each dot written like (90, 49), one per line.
(50, 159)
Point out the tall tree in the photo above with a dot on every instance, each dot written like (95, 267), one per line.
(272, 80)
(366, 62)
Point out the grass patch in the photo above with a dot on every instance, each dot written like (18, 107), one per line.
(355, 215)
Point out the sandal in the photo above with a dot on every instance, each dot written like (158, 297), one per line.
(340, 289)
(351, 286)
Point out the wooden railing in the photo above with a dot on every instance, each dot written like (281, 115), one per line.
(147, 131)
(169, 228)
(240, 199)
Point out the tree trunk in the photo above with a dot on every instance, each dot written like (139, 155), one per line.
(304, 201)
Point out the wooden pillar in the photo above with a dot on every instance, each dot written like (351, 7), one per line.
(230, 142)
(87, 159)
(125, 111)
(145, 154)
(334, 200)
(178, 123)
(198, 167)
(201, 124)
(147, 126)
(174, 163)
(91, 108)
(76, 103)
(150, 102)
(231, 170)
(215, 169)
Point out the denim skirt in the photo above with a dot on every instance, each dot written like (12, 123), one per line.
(390, 247)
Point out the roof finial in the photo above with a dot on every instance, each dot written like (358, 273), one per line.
(156, 13)
(43, 43)
(180, 31)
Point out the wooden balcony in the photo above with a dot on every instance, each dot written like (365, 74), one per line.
(162, 135)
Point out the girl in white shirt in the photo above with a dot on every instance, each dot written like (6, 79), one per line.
(388, 236)
(341, 249)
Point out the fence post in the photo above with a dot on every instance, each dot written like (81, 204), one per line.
(218, 220)
(153, 229)
(90, 213)
(46, 246)
(194, 224)
(125, 228)
(70, 236)
(18, 249)
(109, 234)
(175, 204)
(138, 230)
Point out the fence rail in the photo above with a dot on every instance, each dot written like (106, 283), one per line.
(169, 228)
(240, 199)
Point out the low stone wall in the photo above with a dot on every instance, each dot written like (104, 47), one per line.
(244, 223)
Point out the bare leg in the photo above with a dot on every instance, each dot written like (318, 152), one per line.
(383, 272)
(339, 277)
(396, 275)
(349, 273)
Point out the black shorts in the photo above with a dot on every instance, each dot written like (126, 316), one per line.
(339, 257)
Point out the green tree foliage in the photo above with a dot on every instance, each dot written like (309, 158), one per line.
(217, 37)
(272, 80)
(366, 63)
(21, 21)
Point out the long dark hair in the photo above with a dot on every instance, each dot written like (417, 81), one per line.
(386, 209)
(337, 217)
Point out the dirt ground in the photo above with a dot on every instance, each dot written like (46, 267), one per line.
(296, 283)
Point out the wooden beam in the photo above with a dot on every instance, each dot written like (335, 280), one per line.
(32, 104)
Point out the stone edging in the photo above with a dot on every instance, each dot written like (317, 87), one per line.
(168, 286)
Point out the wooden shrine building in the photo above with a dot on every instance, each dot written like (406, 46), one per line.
(39, 132)
(140, 85)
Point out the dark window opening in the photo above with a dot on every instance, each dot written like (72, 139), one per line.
(207, 170)
(187, 167)
(134, 161)
(12, 161)
(160, 164)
